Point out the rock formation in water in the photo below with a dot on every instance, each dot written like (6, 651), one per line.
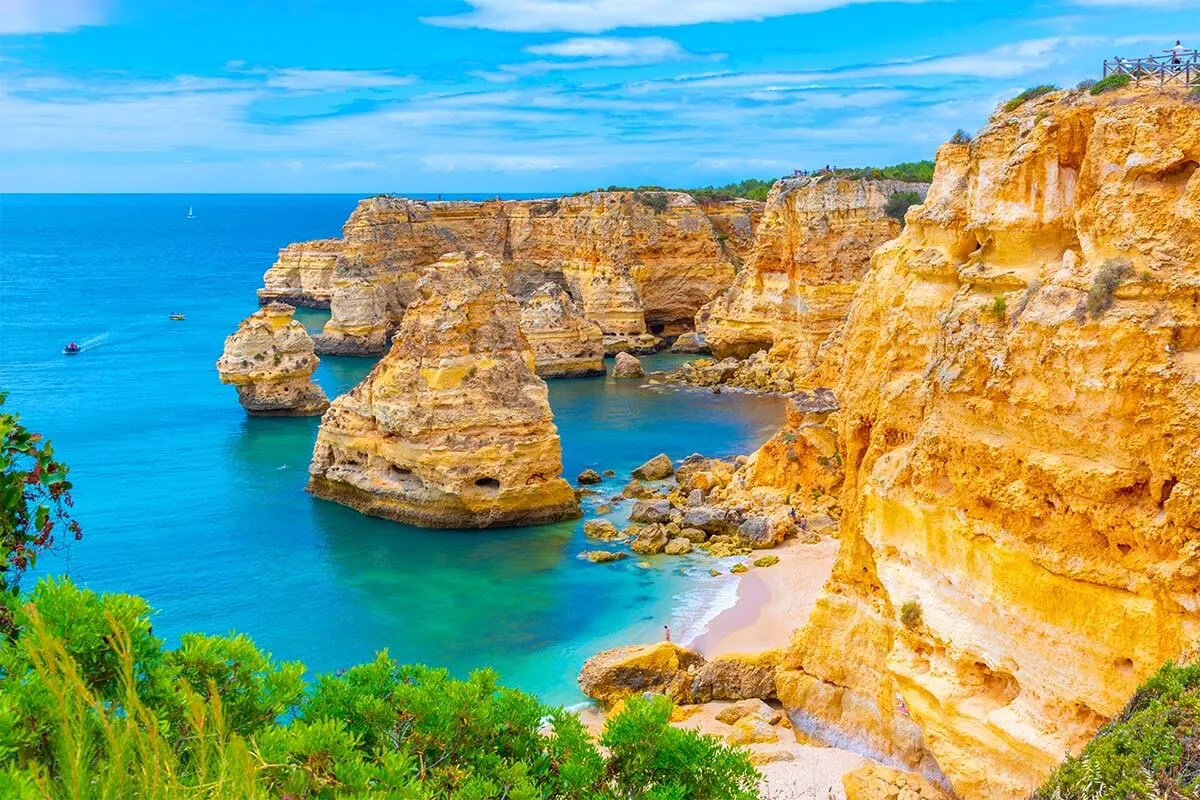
(270, 360)
(565, 345)
(1019, 387)
(812, 248)
(303, 274)
(637, 264)
(452, 429)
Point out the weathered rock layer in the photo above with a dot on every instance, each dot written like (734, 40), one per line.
(270, 360)
(811, 249)
(1019, 388)
(565, 345)
(635, 263)
(452, 429)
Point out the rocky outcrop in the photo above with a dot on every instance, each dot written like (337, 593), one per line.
(735, 221)
(1019, 427)
(565, 345)
(452, 429)
(679, 673)
(812, 248)
(877, 782)
(627, 366)
(303, 274)
(270, 360)
(637, 264)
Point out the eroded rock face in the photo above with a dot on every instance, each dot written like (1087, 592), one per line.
(636, 264)
(1024, 470)
(303, 274)
(270, 360)
(452, 429)
(663, 668)
(812, 248)
(565, 345)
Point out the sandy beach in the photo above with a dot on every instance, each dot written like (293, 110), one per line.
(772, 602)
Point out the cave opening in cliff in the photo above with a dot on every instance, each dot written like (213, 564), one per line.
(488, 483)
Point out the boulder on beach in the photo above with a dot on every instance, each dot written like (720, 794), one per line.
(678, 547)
(627, 366)
(737, 676)
(651, 510)
(877, 782)
(650, 540)
(655, 469)
(751, 707)
(663, 668)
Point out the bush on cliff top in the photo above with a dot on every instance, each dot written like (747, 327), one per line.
(1111, 82)
(1151, 750)
(1029, 94)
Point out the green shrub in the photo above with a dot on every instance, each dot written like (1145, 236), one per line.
(911, 615)
(1085, 84)
(1108, 278)
(1110, 82)
(1193, 96)
(999, 307)
(960, 137)
(1152, 749)
(1027, 95)
(898, 204)
(92, 706)
(908, 171)
(655, 200)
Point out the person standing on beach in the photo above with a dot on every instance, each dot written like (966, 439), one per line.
(666, 633)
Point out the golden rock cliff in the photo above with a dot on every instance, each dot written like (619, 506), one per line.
(452, 429)
(812, 248)
(634, 262)
(270, 360)
(1019, 388)
(565, 345)
(303, 274)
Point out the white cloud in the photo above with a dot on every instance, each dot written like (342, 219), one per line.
(491, 162)
(50, 16)
(597, 16)
(356, 165)
(333, 80)
(649, 48)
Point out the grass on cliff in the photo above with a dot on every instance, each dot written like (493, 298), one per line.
(1110, 83)
(1029, 94)
(1108, 278)
(1151, 750)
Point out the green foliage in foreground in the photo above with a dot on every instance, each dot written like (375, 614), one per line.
(1152, 750)
(92, 706)
(1110, 82)
(1029, 94)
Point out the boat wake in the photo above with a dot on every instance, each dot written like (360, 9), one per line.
(94, 342)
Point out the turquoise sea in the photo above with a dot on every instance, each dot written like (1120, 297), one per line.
(188, 502)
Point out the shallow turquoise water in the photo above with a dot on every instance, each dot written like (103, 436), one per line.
(200, 509)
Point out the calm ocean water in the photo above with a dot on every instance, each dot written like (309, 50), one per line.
(188, 502)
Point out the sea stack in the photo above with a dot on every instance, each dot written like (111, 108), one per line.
(453, 428)
(565, 345)
(270, 360)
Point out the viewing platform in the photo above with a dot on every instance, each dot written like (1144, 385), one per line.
(1182, 68)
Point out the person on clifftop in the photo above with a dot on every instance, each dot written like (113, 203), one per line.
(1177, 53)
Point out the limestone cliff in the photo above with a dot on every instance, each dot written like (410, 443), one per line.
(634, 262)
(452, 429)
(735, 221)
(270, 360)
(565, 345)
(812, 248)
(1019, 388)
(303, 274)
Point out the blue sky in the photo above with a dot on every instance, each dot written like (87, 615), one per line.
(520, 95)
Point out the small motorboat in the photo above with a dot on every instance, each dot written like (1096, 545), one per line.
(177, 316)
(71, 349)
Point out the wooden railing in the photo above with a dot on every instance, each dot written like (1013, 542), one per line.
(1182, 69)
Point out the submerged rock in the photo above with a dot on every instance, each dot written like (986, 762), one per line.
(603, 556)
(603, 530)
(627, 366)
(270, 360)
(452, 429)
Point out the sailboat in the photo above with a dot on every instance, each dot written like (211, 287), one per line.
(190, 214)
